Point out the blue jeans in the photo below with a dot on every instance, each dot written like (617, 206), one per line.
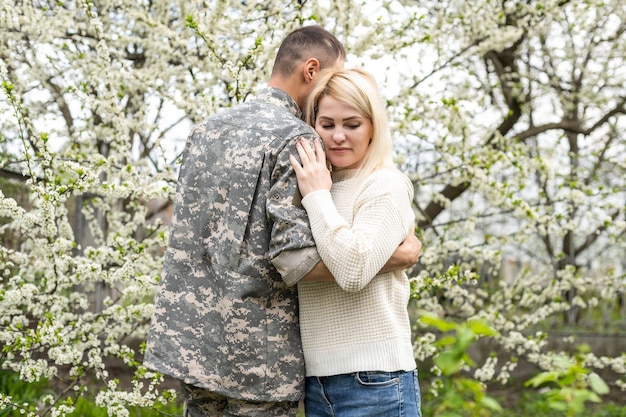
(364, 394)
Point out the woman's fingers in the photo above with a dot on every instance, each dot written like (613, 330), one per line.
(310, 153)
(295, 164)
(307, 158)
(319, 152)
(311, 170)
(302, 152)
(306, 145)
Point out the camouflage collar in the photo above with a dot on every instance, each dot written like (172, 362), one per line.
(281, 98)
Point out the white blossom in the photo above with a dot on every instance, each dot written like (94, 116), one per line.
(95, 108)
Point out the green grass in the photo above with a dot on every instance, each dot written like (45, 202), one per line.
(20, 391)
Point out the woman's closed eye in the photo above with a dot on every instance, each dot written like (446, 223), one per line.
(349, 126)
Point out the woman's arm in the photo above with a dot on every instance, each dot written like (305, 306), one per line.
(355, 253)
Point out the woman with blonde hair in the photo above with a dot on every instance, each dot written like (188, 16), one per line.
(356, 332)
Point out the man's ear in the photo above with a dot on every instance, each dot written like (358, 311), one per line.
(310, 69)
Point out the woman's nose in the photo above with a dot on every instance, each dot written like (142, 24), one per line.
(339, 135)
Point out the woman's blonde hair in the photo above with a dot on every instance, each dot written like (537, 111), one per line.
(356, 88)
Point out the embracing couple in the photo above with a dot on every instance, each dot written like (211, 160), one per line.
(283, 278)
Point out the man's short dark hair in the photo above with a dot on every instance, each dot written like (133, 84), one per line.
(304, 43)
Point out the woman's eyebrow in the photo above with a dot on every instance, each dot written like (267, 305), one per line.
(344, 119)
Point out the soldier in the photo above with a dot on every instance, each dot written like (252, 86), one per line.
(226, 322)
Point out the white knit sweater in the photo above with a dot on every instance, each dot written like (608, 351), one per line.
(361, 322)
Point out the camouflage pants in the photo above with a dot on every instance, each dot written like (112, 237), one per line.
(200, 402)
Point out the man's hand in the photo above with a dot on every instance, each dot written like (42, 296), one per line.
(406, 255)
(319, 273)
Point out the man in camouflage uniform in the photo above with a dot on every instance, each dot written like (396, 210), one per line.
(226, 321)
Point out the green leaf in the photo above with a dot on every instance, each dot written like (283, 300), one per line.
(445, 341)
(491, 404)
(542, 378)
(560, 406)
(597, 384)
(481, 328)
(448, 362)
(465, 337)
(562, 362)
(439, 323)
(191, 24)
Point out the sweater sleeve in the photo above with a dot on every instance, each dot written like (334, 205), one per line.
(382, 216)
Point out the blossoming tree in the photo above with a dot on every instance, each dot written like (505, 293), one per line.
(514, 133)
(509, 117)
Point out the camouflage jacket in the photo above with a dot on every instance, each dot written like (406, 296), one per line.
(224, 319)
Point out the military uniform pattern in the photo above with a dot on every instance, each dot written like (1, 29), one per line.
(201, 403)
(224, 319)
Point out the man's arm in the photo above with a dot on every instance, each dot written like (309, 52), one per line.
(319, 273)
(405, 256)
(305, 264)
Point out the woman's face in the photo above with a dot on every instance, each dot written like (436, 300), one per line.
(346, 133)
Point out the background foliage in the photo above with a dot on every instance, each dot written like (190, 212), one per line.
(509, 117)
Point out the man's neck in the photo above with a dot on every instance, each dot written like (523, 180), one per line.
(287, 85)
